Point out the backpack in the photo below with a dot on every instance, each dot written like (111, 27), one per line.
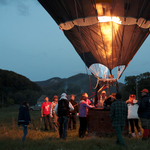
(63, 108)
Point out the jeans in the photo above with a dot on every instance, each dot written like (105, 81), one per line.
(120, 140)
(63, 125)
(55, 122)
(47, 119)
(25, 132)
(72, 118)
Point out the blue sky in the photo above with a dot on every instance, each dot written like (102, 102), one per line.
(31, 44)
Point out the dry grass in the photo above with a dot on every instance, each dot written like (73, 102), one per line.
(37, 138)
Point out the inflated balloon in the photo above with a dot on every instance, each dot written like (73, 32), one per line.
(105, 32)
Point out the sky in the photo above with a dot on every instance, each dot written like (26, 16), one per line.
(32, 45)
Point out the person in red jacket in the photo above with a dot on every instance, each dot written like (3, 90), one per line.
(45, 113)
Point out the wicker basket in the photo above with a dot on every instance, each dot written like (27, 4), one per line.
(99, 123)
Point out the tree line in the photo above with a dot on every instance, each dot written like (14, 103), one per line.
(135, 84)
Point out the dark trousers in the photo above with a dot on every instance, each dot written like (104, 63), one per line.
(47, 120)
(83, 126)
(63, 125)
(72, 118)
(120, 140)
(134, 122)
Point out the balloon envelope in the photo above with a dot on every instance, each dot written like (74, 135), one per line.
(108, 32)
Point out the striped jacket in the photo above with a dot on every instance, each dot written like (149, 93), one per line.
(118, 113)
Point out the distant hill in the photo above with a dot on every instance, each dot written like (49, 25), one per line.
(15, 88)
(76, 84)
(49, 81)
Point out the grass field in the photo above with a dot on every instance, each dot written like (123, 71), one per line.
(38, 139)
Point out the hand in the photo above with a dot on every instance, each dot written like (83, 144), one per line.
(77, 114)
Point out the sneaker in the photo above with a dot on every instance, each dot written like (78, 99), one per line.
(133, 134)
(140, 134)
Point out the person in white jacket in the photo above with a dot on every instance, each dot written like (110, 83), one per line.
(133, 118)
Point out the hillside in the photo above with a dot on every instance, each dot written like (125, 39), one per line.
(76, 84)
(15, 88)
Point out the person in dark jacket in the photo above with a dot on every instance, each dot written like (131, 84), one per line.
(109, 100)
(72, 115)
(144, 113)
(62, 109)
(24, 118)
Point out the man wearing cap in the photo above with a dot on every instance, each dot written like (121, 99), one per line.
(62, 110)
(101, 100)
(144, 113)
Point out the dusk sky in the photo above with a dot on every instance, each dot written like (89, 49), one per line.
(31, 44)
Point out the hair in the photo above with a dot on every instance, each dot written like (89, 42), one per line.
(83, 98)
(118, 96)
(85, 94)
(26, 104)
(72, 95)
(55, 97)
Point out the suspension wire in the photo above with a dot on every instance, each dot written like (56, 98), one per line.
(90, 83)
(81, 42)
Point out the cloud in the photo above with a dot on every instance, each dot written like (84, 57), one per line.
(22, 6)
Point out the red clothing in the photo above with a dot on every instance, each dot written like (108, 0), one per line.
(46, 108)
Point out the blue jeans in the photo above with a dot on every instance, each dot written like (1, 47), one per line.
(120, 140)
(63, 125)
(25, 132)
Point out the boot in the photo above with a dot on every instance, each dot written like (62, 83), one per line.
(133, 134)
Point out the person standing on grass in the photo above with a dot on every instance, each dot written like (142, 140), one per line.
(118, 115)
(52, 113)
(24, 118)
(72, 115)
(45, 113)
(83, 115)
(133, 117)
(144, 113)
(62, 109)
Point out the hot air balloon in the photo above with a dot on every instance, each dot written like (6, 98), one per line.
(106, 34)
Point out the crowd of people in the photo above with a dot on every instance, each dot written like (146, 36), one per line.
(61, 114)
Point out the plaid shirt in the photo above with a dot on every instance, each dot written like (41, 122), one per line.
(118, 113)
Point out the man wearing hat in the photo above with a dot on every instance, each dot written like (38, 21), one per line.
(144, 113)
(62, 110)
(102, 100)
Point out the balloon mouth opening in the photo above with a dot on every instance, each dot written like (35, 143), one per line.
(101, 72)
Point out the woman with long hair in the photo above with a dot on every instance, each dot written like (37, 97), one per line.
(83, 115)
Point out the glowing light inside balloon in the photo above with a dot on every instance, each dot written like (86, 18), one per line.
(108, 19)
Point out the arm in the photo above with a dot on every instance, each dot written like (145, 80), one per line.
(51, 115)
(142, 105)
(41, 112)
(56, 109)
(89, 106)
(71, 107)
